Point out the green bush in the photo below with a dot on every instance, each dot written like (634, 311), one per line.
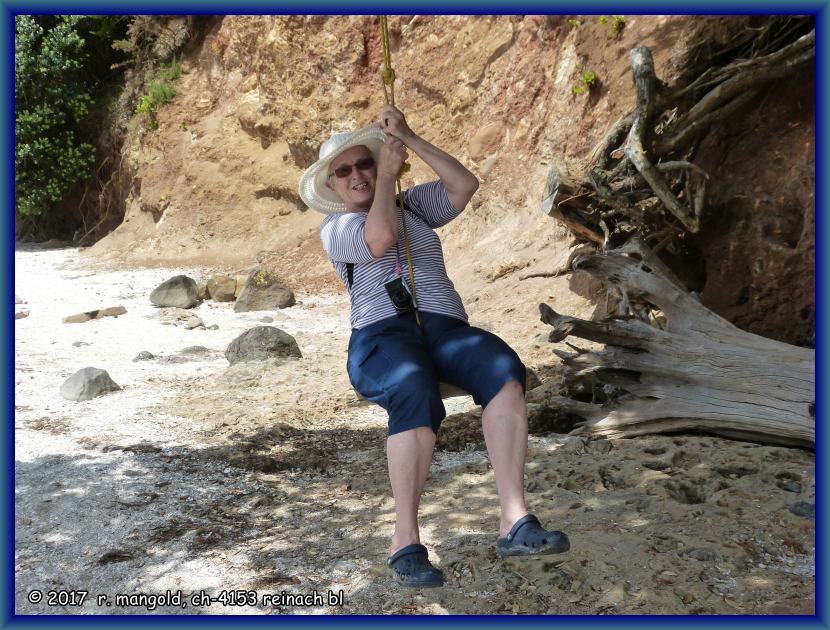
(159, 92)
(51, 101)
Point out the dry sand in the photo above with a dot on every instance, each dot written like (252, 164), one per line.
(271, 478)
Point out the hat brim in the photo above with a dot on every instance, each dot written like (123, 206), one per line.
(313, 190)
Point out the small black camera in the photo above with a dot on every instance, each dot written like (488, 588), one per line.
(400, 296)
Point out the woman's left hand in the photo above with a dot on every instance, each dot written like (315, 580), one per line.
(393, 123)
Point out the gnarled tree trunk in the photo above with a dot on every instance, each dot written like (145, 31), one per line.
(676, 365)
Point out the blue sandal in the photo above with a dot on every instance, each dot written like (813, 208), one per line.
(527, 537)
(410, 566)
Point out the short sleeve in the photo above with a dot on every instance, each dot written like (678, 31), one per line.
(432, 203)
(343, 237)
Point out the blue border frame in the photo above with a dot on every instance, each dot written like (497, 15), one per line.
(8, 9)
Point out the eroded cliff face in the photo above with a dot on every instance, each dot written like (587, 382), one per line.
(216, 183)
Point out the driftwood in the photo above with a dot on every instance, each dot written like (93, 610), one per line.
(675, 365)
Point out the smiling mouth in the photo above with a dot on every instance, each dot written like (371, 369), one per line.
(361, 187)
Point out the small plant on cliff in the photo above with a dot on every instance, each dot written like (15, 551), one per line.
(587, 82)
(574, 22)
(616, 25)
(160, 91)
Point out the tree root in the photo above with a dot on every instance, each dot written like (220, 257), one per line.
(628, 186)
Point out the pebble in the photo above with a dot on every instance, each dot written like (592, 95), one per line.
(802, 508)
(194, 322)
(573, 444)
(144, 356)
(601, 446)
(704, 554)
(790, 486)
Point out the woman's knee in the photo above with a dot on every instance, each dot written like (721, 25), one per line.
(511, 392)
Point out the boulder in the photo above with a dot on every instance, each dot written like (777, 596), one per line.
(179, 291)
(263, 292)
(87, 383)
(260, 343)
(202, 290)
(222, 288)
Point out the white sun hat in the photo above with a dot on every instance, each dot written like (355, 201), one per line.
(313, 189)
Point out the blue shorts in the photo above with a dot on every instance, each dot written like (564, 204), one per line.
(399, 365)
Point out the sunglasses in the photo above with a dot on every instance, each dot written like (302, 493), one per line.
(346, 169)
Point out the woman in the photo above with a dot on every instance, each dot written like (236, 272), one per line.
(396, 361)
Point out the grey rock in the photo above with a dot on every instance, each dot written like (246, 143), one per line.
(601, 446)
(87, 383)
(179, 291)
(573, 444)
(263, 292)
(78, 344)
(143, 356)
(267, 319)
(213, 327)
(640, 504)
(260, 343)
(704, 554)
(194, 321)
(790, 486)
(803, 508)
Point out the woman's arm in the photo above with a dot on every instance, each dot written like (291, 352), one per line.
(460, 183)
(381, 231)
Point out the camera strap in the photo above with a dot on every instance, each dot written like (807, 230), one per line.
(350, 266)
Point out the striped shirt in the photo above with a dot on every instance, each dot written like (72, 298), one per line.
(428, 206)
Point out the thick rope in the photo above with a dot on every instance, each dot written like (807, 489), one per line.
(388, 77)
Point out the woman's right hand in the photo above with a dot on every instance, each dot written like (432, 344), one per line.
(392, 156)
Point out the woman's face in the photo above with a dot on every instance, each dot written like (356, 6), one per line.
(357, 188)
